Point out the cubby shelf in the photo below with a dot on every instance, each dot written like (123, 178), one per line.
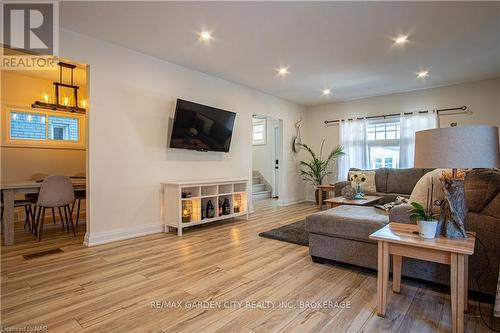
(175, 208)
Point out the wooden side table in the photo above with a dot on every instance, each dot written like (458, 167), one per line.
(402, 240)
(326, 188)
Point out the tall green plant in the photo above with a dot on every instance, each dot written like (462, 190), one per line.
(317, 169)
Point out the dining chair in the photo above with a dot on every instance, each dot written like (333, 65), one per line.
(55, 192)
(79, 196)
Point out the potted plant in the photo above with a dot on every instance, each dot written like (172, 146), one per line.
(316, 169)
(425, 216)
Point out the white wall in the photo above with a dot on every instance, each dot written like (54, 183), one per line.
(482, 98)
(262, 155)
(131, 97)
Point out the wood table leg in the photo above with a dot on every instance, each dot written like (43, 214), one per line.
(382, 277)
(8, 217)
(396, 273)
(466, 284)
(457, 275)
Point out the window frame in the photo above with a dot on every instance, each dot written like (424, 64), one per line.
(383, 143)
(262, 142)
(7, 141)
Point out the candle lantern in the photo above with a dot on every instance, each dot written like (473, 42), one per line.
(237, 203)
(187, 210)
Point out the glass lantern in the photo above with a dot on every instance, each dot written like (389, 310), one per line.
(237, 203)
(187, 210)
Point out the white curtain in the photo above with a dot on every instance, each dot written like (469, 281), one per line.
(353, 138)
(409, 124)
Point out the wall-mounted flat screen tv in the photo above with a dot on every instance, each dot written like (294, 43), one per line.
(201, 127)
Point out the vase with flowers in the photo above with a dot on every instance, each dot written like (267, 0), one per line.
(358, 179)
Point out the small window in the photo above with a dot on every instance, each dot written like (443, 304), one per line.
(41, 128)
(63, 128)
(29, 126)
(258, 131)
(383, 143)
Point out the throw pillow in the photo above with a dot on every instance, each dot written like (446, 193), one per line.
(367, 186)
(388, 206)
(419, 193)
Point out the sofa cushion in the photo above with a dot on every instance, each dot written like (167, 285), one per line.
(403, 180)
(481, 186)
(381, 179)
(351, 222)
(421, 189)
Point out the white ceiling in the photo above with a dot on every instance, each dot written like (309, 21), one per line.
(344, 46)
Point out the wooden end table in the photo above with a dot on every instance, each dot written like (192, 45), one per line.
(337, 201)
(401, 240)
(324, 188)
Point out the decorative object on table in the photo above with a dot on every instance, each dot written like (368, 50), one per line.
(425, 216)
(296, 141)
(458, 147)
(237, 203)
(187, 210)
(369, 186)
(210, 210)
(388, 206)
(226, 207)
(317, 169)
(348, 192)
(358, 179)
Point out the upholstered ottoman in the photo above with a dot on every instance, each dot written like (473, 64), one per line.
(341, 234)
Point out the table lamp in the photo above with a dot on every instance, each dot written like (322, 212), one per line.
(458, 147)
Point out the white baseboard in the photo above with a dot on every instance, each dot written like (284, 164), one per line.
(104, 237)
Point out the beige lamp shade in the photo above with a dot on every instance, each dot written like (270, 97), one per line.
(459, 147)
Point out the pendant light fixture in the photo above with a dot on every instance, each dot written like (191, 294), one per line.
(65, 107)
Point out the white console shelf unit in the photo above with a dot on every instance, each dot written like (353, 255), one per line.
(181, 211)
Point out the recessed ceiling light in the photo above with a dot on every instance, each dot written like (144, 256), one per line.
(401, 40)
(283, 71)
(326, 92)
(422, 74)
(205, 35)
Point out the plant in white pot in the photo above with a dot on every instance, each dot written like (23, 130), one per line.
(318, 168)
(426, 221)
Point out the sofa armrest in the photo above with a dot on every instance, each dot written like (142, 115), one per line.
(339, 186)
(401, 214)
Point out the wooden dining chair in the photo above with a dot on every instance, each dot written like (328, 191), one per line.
(55, 192)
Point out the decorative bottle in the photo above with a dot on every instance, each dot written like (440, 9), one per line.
(210, 210)
(220, 208)
(226, 207)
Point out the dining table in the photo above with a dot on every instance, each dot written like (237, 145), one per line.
(9, 191)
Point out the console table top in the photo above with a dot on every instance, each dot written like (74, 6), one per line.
(205, 182)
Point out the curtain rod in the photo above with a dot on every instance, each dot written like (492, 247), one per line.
(462, 109)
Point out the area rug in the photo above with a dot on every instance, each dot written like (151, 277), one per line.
(292, 233)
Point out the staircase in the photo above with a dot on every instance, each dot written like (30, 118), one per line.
(259, 188)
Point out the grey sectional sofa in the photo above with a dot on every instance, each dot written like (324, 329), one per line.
(341, 233)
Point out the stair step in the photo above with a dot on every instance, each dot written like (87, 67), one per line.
(255, 180)
(258, 188)
(261, 195)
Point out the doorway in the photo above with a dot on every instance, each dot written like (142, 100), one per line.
(267, 148)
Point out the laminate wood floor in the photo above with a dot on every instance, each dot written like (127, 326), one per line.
(216, 278)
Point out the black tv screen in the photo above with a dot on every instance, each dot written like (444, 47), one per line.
(201, 127)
